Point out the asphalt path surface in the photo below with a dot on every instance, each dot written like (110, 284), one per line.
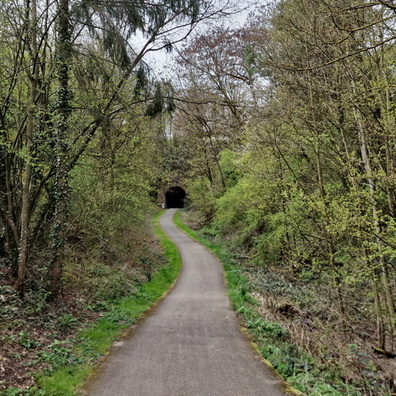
(191, 344)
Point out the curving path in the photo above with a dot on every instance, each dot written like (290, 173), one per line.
(191, 344)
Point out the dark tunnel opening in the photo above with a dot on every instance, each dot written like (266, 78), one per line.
(174, 197)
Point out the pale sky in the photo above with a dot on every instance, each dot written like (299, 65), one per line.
(162, 62)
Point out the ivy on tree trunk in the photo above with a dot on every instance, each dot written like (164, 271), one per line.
(61, 119)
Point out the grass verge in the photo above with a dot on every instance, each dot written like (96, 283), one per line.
(72, 361)
(271, 339)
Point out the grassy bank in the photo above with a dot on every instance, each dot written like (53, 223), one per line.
(72, 360)
(299, 369)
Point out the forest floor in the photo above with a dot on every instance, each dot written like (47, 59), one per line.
(37, 336)
(344, 348)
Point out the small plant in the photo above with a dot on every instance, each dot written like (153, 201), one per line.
(98, 306)
(260, 326)
(59, 354)
(39, 301)
(25, 392)
(67, 320)
(12, 392)
(26, 341)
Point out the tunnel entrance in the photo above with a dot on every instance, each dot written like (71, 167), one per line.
(174, 197)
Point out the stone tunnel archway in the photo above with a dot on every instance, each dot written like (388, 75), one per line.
(174, 197)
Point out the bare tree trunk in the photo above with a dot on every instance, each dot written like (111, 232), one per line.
(388, 123)
(327, 216)
(384, 278)
(27, 174)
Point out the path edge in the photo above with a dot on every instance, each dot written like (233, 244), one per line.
(286, 387)
(97, 368)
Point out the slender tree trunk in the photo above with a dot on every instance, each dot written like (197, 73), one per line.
(27, 174)
(379, 316)
(329, 238)
(377, 304)
(62, 115)
(327, 216)
(388, 122)
(384, 276)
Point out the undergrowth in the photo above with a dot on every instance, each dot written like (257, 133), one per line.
(69, 362)
(302, 371)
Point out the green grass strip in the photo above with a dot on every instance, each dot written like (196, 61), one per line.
(75, 365)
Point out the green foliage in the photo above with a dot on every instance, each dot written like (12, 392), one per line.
(111, 193)
(202, 196)
(157, 106)
(26, 392)
(230, 163)
(67, 320)
(64, 381)
(77, 151)
(26, 341)
(60, 354)
(260, 326)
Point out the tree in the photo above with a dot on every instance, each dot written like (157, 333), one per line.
(215, 85)
(314, 195)
(45, 44)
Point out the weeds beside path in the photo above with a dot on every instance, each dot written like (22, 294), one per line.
(68, 362)
(302, 371)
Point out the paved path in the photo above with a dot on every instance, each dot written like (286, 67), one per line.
(191, 345)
